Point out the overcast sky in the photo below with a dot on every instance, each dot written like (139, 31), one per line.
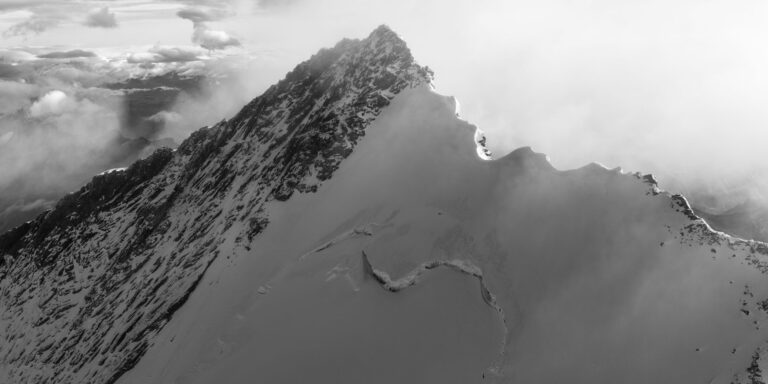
(676, 88)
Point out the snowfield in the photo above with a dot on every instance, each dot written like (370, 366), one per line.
(596, 272)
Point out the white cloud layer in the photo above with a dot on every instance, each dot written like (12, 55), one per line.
(202, 34)
(52, 103)
(674, 88)
(160, 54)
(101, 18)
(212, 39)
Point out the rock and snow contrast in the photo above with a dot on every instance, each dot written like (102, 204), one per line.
(347, 226)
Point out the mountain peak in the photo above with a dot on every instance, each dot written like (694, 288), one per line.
(324, 105)
(385, 43)
(384, 34)
(383, 30)
(219, 182)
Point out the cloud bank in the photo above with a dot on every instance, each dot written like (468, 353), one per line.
(202, 34)
(101, 18)
(52, 142)
(676, 89)
(36, 24)
(75, 53)
(166, 55)
(63, 121)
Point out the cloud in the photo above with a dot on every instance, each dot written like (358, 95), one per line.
(673, 88)
(101, 18)
(166, 55)
(15, 56)
(47, 14)
(15, 96)
(269, 4)
(9, 71)
(31, 206)
(35, 24)
(12, 5)
(213, 40)
(63, 121)
(166, 117)
(232, 81)
(199, 15)
(204, 36)
(52, 103)
(54, 140)
(218, 4)
(5, 138)
(75, 53)
(176, 54)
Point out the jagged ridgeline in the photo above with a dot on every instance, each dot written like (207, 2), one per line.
(347, 226)
(86, 285)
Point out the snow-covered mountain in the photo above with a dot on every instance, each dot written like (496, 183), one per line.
(347, 226)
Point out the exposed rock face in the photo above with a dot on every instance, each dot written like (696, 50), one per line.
(85, 286)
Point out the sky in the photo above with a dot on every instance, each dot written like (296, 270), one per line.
(673, 88)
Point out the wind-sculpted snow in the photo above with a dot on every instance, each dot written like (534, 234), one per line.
(86, 286)
(413, 277)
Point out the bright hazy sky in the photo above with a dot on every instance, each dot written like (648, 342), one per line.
(670, 87)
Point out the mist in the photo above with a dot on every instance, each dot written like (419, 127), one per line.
(676, 90)
(230, 83)
(64, 121)
(52, 140)
(671, 89)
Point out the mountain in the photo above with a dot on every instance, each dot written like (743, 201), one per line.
(348, 226)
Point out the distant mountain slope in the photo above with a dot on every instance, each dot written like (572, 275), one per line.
(405, 256)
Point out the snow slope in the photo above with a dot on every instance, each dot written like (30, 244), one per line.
(408, 256)
(597, 273)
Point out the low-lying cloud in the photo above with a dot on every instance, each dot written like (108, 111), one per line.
(63, 121)
(75, 53)
(101, 18)
(52, 142)
(202, 34)
(166, 55)
(672, 88)
(676, 89)
(35, 24)
(211, 39)
(200, 15)
(52, 103)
